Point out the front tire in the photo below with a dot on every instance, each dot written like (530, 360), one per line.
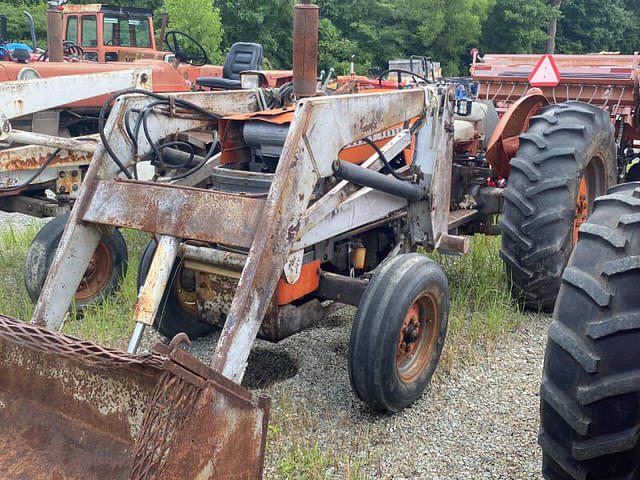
(566, 159)
(590, 393)
(398, 332)
(105, 272)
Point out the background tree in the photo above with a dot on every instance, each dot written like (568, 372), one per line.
(201, 20)
(516, 26)
(553, 26)
(269, 23)
(592, 26)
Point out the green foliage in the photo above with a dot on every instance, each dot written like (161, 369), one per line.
(18, 25)
(592, 26)
(201, 20)
(268, 23)
(517, 26)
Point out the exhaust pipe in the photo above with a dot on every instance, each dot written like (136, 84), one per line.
(32, 29)
(305, 49)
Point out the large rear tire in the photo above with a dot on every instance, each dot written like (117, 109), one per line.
(566, 159)
(398, 332)
(590, 394)
(105, 272)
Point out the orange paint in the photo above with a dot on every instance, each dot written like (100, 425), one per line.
(308, 282)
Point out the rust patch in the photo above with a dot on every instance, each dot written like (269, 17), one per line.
(73, 410)
(33, 157)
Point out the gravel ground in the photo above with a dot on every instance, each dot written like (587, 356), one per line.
(15, 220)
(479, 421)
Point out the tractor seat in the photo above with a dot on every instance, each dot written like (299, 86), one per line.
(241, 57)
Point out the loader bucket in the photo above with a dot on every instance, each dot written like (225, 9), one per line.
(72, 409)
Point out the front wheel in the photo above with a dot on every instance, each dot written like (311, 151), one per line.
(106, 269)
(398, 332)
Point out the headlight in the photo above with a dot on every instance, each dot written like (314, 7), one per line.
(28, 74)
(250, 81)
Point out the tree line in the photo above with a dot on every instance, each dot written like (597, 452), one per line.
(376, 31)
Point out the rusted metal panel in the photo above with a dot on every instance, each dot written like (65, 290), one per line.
(17, 165)
(79, 240)
(31, 96)
(180, 212)
(68, 409)
(97, 413)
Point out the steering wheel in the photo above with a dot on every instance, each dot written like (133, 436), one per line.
(69, 49)
(72, 49)
(173, 43)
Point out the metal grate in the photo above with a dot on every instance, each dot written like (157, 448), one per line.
(44, 340)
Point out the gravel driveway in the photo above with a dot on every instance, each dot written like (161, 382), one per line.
(479, 421)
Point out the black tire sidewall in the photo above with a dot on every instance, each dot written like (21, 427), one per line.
(377, 326)
(43, 249)
(552, 241)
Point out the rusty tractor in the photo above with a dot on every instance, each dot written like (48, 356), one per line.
(326, 199)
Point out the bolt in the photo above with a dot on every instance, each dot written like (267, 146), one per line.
(74, 173)
(62, 175)
(75, 187)
(63, 189)
(144, 78)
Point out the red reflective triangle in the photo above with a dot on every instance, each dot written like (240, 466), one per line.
(545, 74)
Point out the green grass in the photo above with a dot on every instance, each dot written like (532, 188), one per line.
(109, 324)
(482, 309)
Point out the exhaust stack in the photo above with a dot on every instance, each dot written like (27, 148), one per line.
(305, 49)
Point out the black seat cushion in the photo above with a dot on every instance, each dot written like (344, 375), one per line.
(242, 57)
(218, 82)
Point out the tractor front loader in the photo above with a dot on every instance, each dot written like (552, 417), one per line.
(285, 216)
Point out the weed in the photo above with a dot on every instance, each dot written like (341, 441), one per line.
(481, 309)
(108, 324)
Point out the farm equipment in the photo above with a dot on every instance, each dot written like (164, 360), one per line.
(556, 158)
(589, 393)
(253, 237)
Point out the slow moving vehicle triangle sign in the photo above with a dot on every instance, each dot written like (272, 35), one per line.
(545, 74)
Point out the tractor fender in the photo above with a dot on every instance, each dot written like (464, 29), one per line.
(506, 137)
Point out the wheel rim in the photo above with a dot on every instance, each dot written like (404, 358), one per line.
(418, 337)
(592, 185)
(97, 275)
(184, 287)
